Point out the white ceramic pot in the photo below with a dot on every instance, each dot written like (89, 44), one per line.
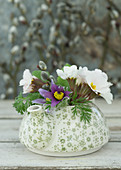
(61, 133)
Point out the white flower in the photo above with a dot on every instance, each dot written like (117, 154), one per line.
(97, 80)
(68, 72)
(81, 75)
(26, 81)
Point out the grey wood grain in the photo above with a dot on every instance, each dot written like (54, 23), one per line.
(17, 155)
(113, 110)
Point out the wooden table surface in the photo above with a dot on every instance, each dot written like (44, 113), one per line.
(13, 155)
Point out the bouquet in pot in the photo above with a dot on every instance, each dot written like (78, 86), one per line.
(73, 87)
(60, 118)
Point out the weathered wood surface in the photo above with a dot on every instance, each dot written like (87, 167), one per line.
(17, 155)
(14, 155)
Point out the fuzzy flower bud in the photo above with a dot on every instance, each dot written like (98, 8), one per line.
(23, 8)
(15, 50)
(13, 30)
(42, 65)
(15, 21)
(25, 46)
(39, 13)
(22, 19)
(44, 7)
(52, 78)
(10, 90)
(16, 1)
(46, 86)
(10, 38)
(11, 1)
(2, 96)
(115, 13)
(6, 77)
(45, 76)
(48, 55)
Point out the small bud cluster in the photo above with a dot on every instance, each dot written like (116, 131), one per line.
(45, 76)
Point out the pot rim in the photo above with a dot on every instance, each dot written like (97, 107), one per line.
(34, 108)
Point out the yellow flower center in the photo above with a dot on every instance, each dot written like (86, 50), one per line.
(47, 99)
(58, 96)
(93, 86)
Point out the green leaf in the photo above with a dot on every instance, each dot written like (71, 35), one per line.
(84, 109)
(18, 104)
(63, 103)
(63, 83)
(48, 102)
(48, 107)
(75, 95)
(33, 96)
(37, 73)
(22, 103)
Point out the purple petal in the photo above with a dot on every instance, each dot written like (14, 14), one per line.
(67, 93)
(60, 89)
(54, 87)
(54, 102)
(40, 101)
(45, 93)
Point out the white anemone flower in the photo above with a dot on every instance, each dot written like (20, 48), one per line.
(98, 82)
(81, 75)
(68, 72)
(26, 81)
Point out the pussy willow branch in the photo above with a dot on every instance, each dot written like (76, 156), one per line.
(116, 56)
(65, 49)
(105, 43)
(111, 3)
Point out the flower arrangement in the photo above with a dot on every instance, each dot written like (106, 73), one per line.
(74, 86)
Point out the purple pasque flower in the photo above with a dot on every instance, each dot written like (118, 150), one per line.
(56, 95)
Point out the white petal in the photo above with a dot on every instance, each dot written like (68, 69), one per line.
(68, 72)
(27, 75)
(22, 82)
(108, 97)
(61, 74)
(26, 81)
(99, 79)
(26, 90)
(81, 75)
